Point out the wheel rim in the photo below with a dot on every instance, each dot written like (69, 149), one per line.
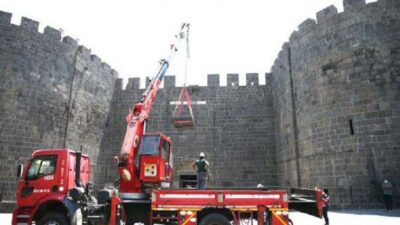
(52, 223)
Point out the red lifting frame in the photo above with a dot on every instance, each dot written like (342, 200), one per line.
(178, 119)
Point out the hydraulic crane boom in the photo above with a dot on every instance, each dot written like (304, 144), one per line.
(130, 183)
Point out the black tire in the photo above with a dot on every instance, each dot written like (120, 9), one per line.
(290, 222)
(53, 219)
(215, 219)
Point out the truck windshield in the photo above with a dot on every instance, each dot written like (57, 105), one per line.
(41, 166)
(149, 145)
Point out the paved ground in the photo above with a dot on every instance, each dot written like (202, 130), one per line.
(350, 217)
(347, 217)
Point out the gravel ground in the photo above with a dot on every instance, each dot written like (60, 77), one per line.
(346, 217)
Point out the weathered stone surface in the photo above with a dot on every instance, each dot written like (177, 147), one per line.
(336, 91)
(329, 113)
(235, 129)
(51, 96)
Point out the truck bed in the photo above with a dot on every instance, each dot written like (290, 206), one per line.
(175, 199)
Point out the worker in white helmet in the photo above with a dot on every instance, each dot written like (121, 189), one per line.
(201, 166)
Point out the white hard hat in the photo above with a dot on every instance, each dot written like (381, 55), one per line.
(202, 154)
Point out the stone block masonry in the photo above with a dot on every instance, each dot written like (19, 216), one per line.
(52, 95)
(337, 94)
(328, 115)
(235, 129)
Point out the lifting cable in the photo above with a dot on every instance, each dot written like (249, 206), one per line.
(179, 118)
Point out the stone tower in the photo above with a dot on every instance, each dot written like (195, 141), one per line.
(336, 87)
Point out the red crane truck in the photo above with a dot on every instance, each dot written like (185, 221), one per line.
(54, 188)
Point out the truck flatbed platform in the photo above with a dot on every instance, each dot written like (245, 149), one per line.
(219, 198)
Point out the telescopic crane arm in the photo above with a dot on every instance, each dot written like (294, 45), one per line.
(136, 122)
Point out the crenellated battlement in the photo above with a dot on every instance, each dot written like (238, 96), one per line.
(352, 4)
(326, 14)
(251, 79)
(133, 83)
(29, 24)
(307, 26)
(232, 79)
(169, 81)
(95, 59)
(213, 80)
(53, 34)
(114, 73)
(85, 52)
(331, 22)
(106, 67)
(331, 16)
(70, 41)
(5, 17)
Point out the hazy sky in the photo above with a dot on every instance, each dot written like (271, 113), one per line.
(227, 36)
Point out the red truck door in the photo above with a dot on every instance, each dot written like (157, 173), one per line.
(40, 179)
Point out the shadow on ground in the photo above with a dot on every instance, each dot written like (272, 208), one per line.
(374, 212)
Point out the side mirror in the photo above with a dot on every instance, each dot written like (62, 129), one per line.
(20, 170)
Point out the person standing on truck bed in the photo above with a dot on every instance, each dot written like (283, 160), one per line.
(201, 166)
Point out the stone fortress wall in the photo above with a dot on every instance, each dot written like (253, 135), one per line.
(328, 114)
(235, 129)
(337, 103)
(53, 94)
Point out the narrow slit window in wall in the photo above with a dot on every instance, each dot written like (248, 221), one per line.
(351, 127)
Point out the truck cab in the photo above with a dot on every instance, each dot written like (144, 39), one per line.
(45, 183)
(54, 189)
(155, 155)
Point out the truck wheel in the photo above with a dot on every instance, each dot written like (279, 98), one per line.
(53, 219)
(215, 219)
(290, 222)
